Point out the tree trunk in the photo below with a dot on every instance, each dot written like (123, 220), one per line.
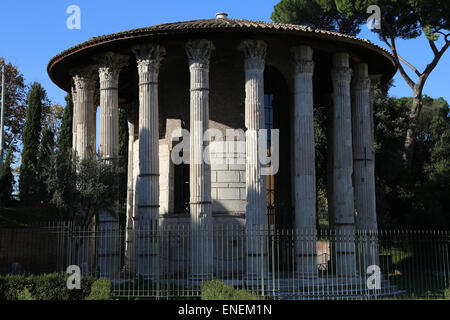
(416, 107)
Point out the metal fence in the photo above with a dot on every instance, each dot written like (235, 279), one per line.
(172, 261)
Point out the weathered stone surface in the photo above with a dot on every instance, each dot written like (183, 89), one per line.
(343, 199)
(254, 61)
(304, 151)
(199, 53)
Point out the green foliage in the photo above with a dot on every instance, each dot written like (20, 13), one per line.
(218, 290)
(43, 287)
(417, 196)
(28, 178)
(319, 14)
(100, 290)
(63, 161)
(447, 294)
(15, 105)
(46, 165)
(25, 294)
(93, 186)
(6, 180)
(244, 295)
(11, 285)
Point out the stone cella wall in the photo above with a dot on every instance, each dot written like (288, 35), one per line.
(228, 177)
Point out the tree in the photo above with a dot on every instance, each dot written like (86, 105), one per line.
(414, 197)
(319, 14)
(28, 178)
(52, 117)
(15, 105)
(400, 19)
(7, 180)
(46, 165)
(92, 187)
(409, 19)
(64, 151)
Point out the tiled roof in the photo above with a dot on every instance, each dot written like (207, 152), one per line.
(210, 25)
(217, 25)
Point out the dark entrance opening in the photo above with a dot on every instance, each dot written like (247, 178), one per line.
(280, 213)
(276, 107)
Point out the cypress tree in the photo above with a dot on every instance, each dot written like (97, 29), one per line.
(46, 164)
(28, 178)
(7, 180)
(64, 155)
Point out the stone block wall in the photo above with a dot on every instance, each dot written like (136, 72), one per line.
(228, 177)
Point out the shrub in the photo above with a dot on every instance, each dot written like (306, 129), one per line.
(447, 294)
(245, 295)
(43, 287)
(100, 290)
(11, 285)
(218, 290)
(50, 287)
(25, 295)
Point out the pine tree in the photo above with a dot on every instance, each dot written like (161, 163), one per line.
(28, 178)
(7, 180)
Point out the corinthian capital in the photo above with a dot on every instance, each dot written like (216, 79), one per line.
(199, 53)
(254, 53)
(361, 84)
(341, 74)
(302, 59)
(109, 65)
(83, 78)
(149, 57)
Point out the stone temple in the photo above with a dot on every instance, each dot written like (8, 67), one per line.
(224, 74)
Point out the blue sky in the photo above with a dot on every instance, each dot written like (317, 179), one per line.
(32, 32)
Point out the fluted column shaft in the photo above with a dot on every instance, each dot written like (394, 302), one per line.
(305, 172)
(364, 167)
(199, 53)
(363, 151)
(109, 69)
(83, 97)
(108, 246)
(343, 200)
(256, 211)
(255, 53)
(149, 57)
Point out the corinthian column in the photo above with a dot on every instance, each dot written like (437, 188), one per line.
(199, 53)
(83, 138)
(149, 57)
(364, 168)
(256, 218)
(109, 69)
(363, 151)
(305, 172)
(344, 216)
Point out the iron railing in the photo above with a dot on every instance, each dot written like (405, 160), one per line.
(169, 262)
